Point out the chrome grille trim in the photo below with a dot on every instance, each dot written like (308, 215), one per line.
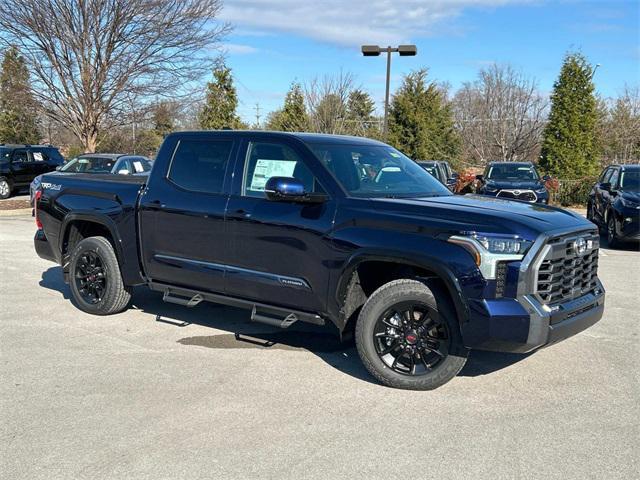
(525, 195)
(563, 274)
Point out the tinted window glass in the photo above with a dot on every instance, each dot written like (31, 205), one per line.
(607, 175)
(89, 165)
(377, 171)
(200, 165)
(614, 177)
(630, 181)
(47, 154)
(512, 172)
(19, 156)
(266, 160)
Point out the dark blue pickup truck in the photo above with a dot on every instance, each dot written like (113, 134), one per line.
(333, 230)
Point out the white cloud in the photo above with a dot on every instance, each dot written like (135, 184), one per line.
(238, 49)
(350, 22)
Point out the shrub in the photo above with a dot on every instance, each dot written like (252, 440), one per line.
(570, 192)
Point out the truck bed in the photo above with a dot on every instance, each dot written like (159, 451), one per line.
(109, 199)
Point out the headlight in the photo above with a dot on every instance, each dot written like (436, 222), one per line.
(541, 190)
(488, 250)
(629, 203)
(490, 188)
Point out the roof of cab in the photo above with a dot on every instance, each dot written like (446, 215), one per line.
(311, 138)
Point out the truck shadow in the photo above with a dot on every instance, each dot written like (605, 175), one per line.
(243, 333)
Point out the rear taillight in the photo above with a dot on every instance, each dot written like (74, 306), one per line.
(35, 208)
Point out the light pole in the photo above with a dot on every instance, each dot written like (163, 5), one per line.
(375, 51)
(593, 72)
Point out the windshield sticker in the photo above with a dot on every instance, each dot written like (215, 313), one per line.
(37, 156)
(137, 166)
(394, 154)
(265, 169)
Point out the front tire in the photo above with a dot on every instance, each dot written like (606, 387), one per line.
(407, 336)
(612, 231)
(95, 278)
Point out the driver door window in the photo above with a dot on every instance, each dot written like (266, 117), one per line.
(266, 160)
(20, 156)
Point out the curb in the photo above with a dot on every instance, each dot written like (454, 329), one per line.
(15, 213)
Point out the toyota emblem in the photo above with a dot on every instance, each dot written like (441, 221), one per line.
(580, 246)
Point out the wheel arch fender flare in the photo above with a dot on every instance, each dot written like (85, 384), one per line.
(440, 270)
(88, 217)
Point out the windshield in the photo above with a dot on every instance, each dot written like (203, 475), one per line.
(89, 165)
(377, 171)
(512, 173)
(630, 181)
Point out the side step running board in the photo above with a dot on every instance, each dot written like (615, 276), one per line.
(180, 300)
(277, 316)
(273, 321)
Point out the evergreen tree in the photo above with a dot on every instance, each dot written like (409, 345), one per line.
(18, 108)
(570, 147)
(219, 110)
(163, 119)
(292, 117)
(360, 109)
(421, 120)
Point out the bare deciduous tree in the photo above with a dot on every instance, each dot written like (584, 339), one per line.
(619, 127)
(90, 58)
(327, 100)
(500, 116)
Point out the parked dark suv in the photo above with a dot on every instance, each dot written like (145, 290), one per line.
(614, 203)
(441, 171)
(514, 181)
(20, 164)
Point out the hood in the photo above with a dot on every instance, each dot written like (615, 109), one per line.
(457, 213)
(516, 185)
(631, 196)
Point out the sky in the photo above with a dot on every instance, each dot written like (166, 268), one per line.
(275, 42)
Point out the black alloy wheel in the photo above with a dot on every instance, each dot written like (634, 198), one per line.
(409, 340)
(91, 277)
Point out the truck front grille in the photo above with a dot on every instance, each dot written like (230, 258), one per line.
(566, 272)
(526, 195)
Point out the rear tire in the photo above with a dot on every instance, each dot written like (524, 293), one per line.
(418, 349)
(95, 278)
(5, 188)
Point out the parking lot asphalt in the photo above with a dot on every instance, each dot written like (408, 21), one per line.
(131, 396)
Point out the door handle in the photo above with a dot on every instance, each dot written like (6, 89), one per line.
(157, 203)
(241, 213)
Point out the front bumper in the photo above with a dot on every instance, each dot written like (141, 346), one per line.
(630, 225)
(558, 294)
(523, 325)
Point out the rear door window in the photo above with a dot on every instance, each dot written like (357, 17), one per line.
(200, 165)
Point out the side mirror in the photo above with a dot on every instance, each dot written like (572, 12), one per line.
(451, 181)
(455, 175)
(290, 189)
(546, 178)
(58, 168)
(480, 178)
(606, 186)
